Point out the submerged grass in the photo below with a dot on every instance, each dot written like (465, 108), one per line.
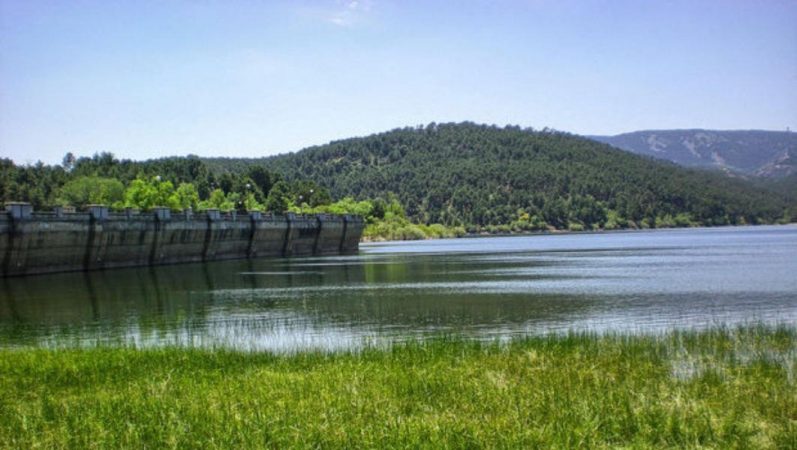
(723, 388)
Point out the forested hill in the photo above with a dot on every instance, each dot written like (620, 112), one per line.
(477, 175)
(785, 186)
(746, 152)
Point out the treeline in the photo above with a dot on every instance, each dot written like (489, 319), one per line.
(460, 176)
(178, 183)
(503, 179)
(385, 219)
(187, 183)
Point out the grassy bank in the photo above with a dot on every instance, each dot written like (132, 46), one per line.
(720, 388)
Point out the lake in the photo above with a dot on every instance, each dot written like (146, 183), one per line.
(483, 288)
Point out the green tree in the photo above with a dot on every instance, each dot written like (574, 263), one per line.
(348, 205)
(92, 190)
(217, 200)
(279, 199)
(147, 194)
(251, 203)
(187, 196)
(310, 193)
(262, 178)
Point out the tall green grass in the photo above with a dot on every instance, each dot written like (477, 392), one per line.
(722, 388)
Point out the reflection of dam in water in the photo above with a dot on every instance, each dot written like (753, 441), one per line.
(48, 242)
(179, 304)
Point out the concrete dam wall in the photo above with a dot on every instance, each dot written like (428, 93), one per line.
(46, 242)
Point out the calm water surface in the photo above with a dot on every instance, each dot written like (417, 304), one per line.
(489, 288)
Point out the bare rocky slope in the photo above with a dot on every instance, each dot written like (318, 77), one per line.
(749, 153)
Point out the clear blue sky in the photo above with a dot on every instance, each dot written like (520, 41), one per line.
(146, 79)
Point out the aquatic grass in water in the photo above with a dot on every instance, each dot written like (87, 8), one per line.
(722, 388)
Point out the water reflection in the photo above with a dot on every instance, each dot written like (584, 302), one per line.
(483, 288)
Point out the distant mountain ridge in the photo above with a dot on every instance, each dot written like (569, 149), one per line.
(758, 153)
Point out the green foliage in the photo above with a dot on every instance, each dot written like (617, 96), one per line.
(218, 200)
(394, 230)
(38, 184)
(387, 222)
(87, 190)
(575, 226)
(144, 184)
(261, 178)
(527, 222)
(585, 211)
(279, 199)
(711, 389)
(345, 206)
(614, 221)
(309, 193)
(458, 175)
(251, 203)
(679, 221)
(480, 176)
(146, 194)
(187, 196)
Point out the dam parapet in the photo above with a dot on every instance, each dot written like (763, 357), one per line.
(37, 242)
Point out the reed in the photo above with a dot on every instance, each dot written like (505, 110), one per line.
(721, 388)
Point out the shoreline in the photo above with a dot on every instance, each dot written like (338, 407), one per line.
(568, 232)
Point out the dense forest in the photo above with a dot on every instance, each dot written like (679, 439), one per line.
(183, 183)
(486, 177)
(178, 183)
(785, 186)
(435, 180)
